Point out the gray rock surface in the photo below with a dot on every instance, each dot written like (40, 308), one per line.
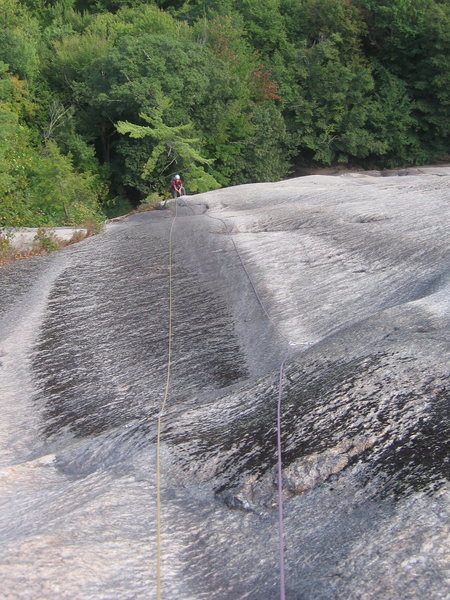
(25, 238)
(347, 277)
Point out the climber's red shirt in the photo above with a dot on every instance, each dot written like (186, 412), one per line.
(177, 184)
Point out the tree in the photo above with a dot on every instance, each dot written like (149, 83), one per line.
(315, 21)
(411, 39)
(174, 149)
(116, 69)
(246, 86)
(19, 40)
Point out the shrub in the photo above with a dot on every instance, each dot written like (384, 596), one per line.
(45, 239)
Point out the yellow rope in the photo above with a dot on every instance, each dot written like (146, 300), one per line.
(159, 425)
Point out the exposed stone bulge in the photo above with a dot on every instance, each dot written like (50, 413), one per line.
(345, 276)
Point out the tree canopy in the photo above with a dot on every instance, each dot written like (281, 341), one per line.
(101, 102)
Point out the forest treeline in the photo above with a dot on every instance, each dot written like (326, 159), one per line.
(102, 101)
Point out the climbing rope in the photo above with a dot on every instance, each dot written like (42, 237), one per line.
(281, 535)
(161, 414)
(255, 291)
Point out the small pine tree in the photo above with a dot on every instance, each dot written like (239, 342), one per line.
(174, 147)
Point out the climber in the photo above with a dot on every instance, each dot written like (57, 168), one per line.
(176, 187)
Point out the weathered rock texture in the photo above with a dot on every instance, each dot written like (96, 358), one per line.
(346, 276)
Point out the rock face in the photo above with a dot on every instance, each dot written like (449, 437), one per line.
(346, 279)
(24, 239)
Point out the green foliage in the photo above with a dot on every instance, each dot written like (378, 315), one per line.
(224, 91)
(210, 82)
(263, 23)
(333, 101)
(119, 205)
(315, 21)
(173, 148)
(265, 150)
(391, 120)
(153, 200)
(46, 240)
(38, 183)
(62, 195)
(199, 179)
(38, 186)
(19, 39)
(411, 40)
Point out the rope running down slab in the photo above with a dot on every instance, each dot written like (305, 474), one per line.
(161, 414)
(281, 534)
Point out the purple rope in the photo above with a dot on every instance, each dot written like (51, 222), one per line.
(281, 536)
(280, 487)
